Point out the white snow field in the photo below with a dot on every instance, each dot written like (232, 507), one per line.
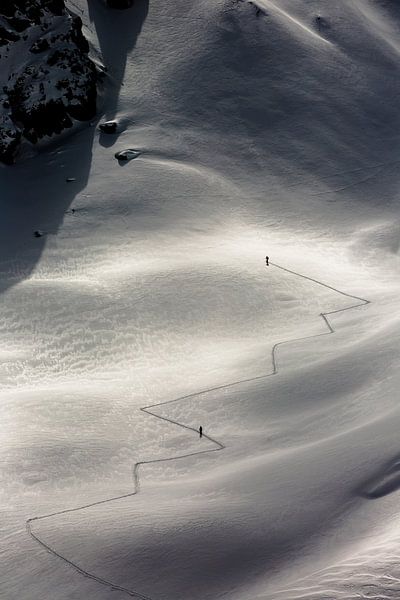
(270, 127)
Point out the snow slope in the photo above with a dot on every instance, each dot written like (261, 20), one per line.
(263, 128)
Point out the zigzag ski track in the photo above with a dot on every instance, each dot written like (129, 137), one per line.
(218, 445)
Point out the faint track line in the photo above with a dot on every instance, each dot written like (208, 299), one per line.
(219, 445)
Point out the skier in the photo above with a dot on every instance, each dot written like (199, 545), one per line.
(267, 261)
(201, 431)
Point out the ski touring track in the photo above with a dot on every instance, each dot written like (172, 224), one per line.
(217, 444)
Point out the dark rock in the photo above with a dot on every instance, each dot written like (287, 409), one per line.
(45, 118)
(18, 23)
(76, 35)
(38, 233)
(108, 127)
(6, 36)
(128, 154)
(55, 6)
(8, 8)
(10, 138)
(40, 45)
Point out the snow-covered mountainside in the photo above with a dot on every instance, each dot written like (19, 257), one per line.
(46, 76)
(146, 310)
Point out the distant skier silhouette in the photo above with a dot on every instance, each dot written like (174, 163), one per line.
(201, 431)
(267, 261)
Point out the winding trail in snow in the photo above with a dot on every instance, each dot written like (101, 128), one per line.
(217, 444)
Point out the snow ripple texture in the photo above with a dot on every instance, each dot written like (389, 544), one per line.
(353, 579)
(328, 577)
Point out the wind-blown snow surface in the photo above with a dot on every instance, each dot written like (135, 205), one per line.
(262, 129)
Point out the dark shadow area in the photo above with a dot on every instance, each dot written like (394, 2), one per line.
(122, 163)
(117, 32)
(108, 139)
(35, 195)
(383, 484)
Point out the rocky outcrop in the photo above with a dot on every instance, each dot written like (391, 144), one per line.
(46, 76)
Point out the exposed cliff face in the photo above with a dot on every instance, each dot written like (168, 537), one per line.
(46, 76)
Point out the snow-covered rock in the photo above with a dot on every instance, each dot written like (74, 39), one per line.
(108, 127)
(127, 154)
(47, 78)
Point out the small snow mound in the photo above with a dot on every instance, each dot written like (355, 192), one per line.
(125, 155)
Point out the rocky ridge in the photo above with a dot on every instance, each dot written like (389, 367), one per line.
(47, 78)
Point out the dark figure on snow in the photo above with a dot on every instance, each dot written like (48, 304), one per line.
(201, 431)
(267, 261)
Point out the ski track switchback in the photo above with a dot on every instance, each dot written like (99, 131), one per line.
(217, 444)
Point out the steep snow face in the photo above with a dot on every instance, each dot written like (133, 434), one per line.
(47, 79)
(257, 128)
